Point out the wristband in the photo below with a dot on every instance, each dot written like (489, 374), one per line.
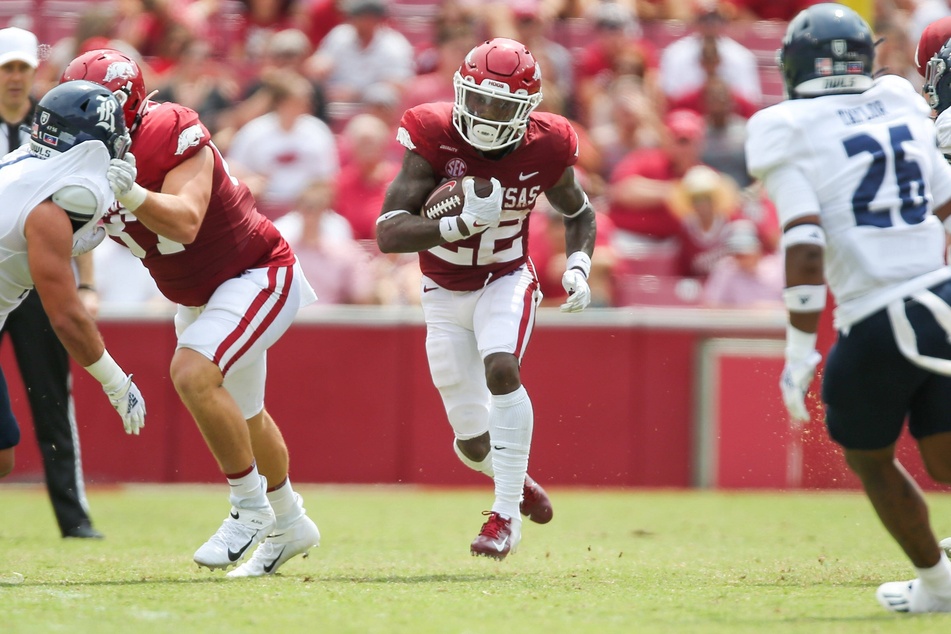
(107, 372)
(85, 287)
(805, 298)
(581, 261)
(390, 214)
(799, 344)
(133, 198)
(449, 229)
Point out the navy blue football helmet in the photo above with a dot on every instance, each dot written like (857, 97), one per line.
(828, 49)
(78, 111)
(937, 86)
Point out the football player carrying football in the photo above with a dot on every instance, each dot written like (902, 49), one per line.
(238, 287)
(861, 190)
(479, 288)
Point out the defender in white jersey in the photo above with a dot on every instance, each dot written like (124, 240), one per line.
(861, 190)
(54, 193)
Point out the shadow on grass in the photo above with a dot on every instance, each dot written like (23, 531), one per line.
(387, 579)
(408, 580)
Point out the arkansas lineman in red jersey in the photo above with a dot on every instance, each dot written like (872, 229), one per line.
(480, 291)
(238, 288)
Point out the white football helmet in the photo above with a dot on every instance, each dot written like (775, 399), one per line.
(497, 87)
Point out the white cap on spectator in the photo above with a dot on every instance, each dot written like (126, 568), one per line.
(18, 45)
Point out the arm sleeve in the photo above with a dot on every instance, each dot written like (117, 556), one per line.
(791, 193)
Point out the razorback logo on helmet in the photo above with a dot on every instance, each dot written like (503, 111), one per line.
(189, 137)
(119, 70)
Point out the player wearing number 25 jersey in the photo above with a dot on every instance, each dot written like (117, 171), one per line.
(861, 191)
(480, 291)
(238, 287)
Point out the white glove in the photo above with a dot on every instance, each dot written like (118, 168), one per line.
(121, 175)
(481, 213)
(129, 403)
(579, 293)
(88, 240)
(794, 383)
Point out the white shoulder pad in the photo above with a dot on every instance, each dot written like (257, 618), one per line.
(771, 140)
(77, 199)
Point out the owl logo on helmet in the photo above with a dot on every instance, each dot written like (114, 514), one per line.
(116, 72)
(496, 88)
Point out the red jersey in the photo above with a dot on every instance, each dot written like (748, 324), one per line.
(548, 148)
(233, 236)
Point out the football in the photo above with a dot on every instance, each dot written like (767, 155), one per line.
(448, 199)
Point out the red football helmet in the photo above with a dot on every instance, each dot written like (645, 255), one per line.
(118, 73)
(497, 87)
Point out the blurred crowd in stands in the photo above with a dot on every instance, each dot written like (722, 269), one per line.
(303, 98)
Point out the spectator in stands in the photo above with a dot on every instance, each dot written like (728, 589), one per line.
(746, 277)
(337, 268)
(282, 152)
(365, 173)
(704, 202)
(259, 20)
(681, 64)
(634, 124)
(452, 43)
(616, 50)
(642, 183)
(697, 99)
(532, 28)
(362, 52)
(202, 83)
(285, 50)
(726, 132)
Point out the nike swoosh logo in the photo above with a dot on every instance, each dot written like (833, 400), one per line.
(499, 546)
(497, 448)
(235, 556)
(426, 289)
(479, 224)
(270, 566)
(234, 515)
(525, 177)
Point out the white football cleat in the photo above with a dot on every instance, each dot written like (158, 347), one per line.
(242, 529)
(910, 596)
(281, 545)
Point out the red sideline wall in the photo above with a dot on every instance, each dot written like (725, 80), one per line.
(614, 394)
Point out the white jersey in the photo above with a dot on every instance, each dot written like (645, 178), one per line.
(25, 182)
(868, 165)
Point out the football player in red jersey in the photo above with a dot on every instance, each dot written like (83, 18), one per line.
(480, 290)
(238, 287)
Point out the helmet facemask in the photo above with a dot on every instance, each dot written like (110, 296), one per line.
(937, 87)
(489, 116)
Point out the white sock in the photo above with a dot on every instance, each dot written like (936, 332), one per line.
(511, 420)
(937, 579)
(286, 504)
(247, 492)
(482, 467)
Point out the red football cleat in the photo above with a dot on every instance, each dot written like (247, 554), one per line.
(535, 503)
(498, 537)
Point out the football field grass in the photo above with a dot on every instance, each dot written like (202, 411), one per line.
(396, 560)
